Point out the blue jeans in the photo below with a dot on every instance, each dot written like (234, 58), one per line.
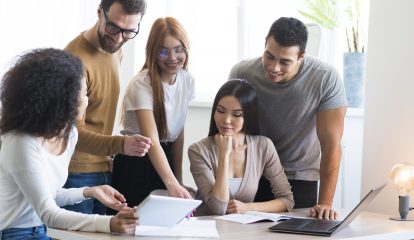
(31, 233)
(77, 180)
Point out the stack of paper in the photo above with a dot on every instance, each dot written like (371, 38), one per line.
(252, 217)
(192, 228)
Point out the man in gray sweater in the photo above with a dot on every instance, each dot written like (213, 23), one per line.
(302, 106)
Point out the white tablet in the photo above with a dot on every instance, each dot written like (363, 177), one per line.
(164, 211)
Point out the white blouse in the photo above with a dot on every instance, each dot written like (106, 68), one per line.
(31, 180)
(234, 185)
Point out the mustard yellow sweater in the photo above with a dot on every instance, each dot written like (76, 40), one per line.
(96, 142)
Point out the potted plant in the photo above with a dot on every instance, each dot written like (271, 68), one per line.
(354, 59)
(331, 14)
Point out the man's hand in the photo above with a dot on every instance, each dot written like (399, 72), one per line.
(137, 145)
(107, 195)
(235, 206)
(323, 211)
(111, 165)
(124, 221)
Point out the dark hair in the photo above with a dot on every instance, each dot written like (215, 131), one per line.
(40, 94)
(129, 6)
(244, 92)
(289, 32)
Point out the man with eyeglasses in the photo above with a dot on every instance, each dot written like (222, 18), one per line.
(99, 48)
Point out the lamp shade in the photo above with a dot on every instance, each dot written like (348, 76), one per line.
(402, 175)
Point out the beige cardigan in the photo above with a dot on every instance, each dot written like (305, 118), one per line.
(262, 159)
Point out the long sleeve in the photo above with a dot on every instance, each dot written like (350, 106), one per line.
(37, 176)
(69, 196)
(273, 171)
(203, 170)
(98, 144)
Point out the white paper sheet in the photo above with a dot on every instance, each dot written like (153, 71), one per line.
(192, 228)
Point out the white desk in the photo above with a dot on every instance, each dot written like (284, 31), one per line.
(367, 226)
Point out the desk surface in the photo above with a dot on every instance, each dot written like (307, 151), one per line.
(366, 226)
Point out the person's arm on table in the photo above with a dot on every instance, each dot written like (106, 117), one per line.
(330, 126)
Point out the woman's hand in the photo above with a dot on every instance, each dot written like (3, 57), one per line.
(107, 195)
(124, 221)
(235, 206)
(191, 190)
(224, 144)
(178, 191)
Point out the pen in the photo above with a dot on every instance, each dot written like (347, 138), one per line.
(190, 214)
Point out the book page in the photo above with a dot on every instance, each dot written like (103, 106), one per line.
(271, 216)
(252, 217)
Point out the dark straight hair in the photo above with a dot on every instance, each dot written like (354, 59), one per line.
(129, 6)
(244, 92)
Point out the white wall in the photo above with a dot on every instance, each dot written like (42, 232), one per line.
(47, 23)
(389, 106)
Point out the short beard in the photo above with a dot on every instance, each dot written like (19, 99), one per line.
(107, 48)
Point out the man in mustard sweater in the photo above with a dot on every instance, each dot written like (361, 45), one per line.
(99, 48)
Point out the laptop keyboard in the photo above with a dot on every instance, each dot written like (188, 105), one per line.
(319, 224)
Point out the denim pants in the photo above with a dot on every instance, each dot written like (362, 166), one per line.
(31, 233)
(77, 180)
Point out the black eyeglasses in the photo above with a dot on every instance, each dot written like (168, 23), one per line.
(113, 29)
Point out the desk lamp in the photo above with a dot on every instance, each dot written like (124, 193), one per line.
(402, 175)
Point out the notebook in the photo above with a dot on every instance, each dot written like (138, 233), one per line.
(325, 227)
(164, 211)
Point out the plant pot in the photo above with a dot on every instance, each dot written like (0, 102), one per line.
(354, 76)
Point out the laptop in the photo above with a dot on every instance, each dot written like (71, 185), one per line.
(325, 227)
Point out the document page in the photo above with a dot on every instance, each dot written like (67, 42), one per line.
(191, 228)
(252, 217)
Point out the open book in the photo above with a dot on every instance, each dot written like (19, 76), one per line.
(252, 217)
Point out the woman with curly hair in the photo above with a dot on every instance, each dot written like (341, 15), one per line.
(42, 96)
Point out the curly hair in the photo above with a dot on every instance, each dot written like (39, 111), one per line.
(289, 32)
(129, 6)
(40, 94)
(245, 93)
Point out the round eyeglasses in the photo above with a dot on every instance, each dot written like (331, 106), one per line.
(177, 52)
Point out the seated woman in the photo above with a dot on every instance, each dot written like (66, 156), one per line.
(42, 96)
(227, 165)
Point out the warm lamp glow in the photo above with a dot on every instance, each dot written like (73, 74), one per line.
(402, 175)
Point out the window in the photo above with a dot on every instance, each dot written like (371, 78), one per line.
(221, 33)
(47, 23)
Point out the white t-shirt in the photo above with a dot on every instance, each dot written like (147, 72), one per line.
(234, 185)
(31, 180)
(177, 96)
